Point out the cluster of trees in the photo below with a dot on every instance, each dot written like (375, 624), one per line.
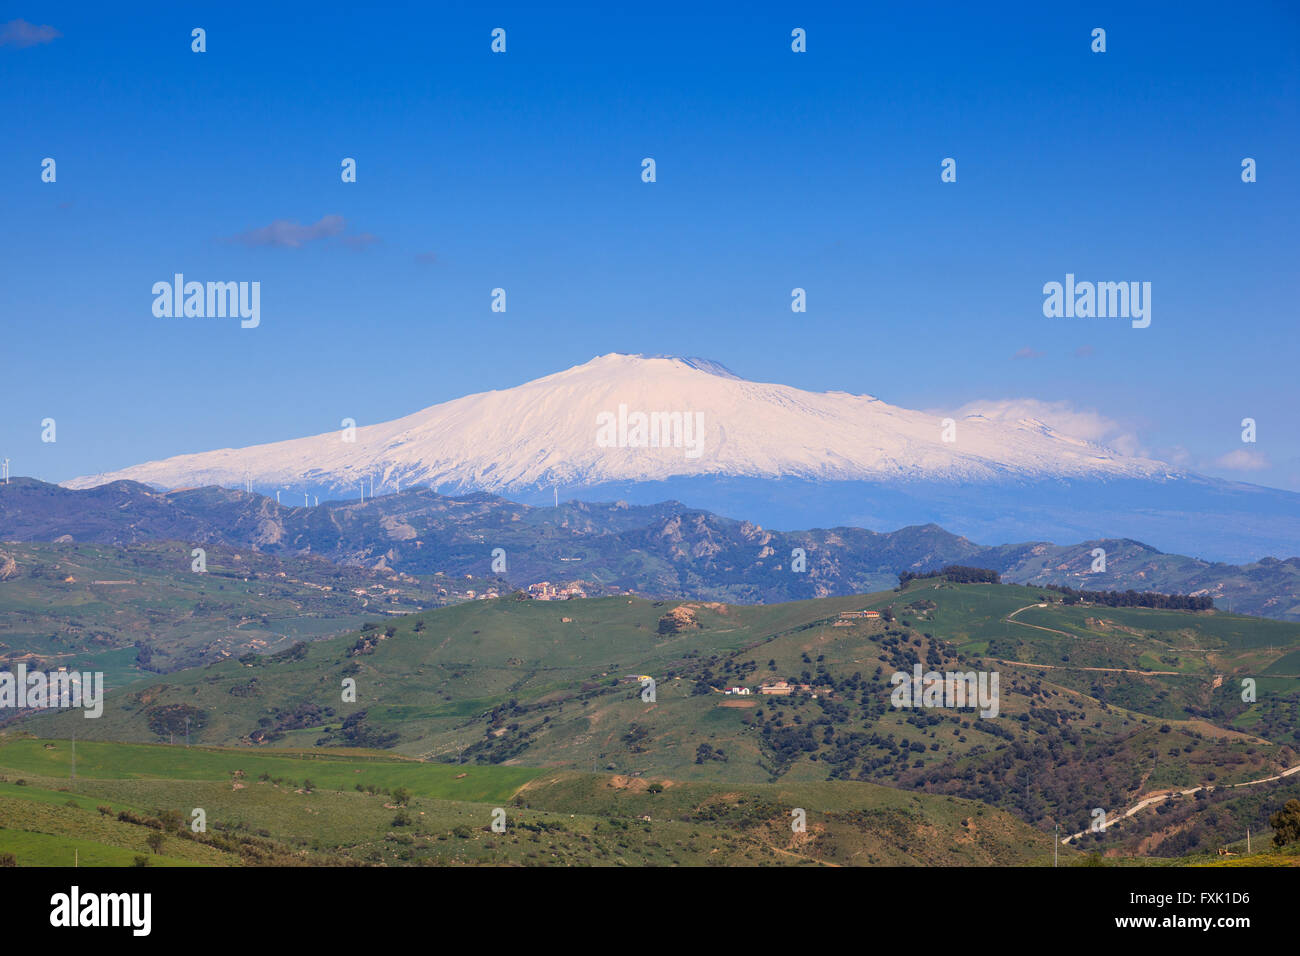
(143, 656)
(956, 573)
(259, 850)
(705, 752)
(355, 732)
(634, 736)
(168, 719)
(1286, 824)
(352, 732)
(1131, 598)
(784, 744)
(305, 713)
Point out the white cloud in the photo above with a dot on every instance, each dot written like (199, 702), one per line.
(1064, 418)
(1243, 459)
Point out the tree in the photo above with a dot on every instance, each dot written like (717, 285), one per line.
(155, 841)
(1286, 824)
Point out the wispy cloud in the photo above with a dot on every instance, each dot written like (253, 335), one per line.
(427, 258)
(292, 235)
(1065, 418)
(1085, 351)
(20, 33)
(362, 240)
(1090, 425)
(1243, 459)
(1028, 353)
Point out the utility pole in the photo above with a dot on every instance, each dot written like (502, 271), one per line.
(187, 731)
(74, 756)
(1056, 844)
(1247, 841)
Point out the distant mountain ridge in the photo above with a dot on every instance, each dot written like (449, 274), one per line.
(666, 549)
(647, 429)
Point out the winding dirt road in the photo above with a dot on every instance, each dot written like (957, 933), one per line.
(1160, 796)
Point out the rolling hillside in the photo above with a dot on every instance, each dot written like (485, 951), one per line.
(137, 608)
(1098, 705)
(292, 808)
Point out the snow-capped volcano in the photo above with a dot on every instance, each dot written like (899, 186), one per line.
(630, 418)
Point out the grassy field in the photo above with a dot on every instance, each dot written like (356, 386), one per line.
(551, 817)
(329, 770)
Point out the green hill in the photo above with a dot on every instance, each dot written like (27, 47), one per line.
(1098, 705)
(141, 608)
(286, 808)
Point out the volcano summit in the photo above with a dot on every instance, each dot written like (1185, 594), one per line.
(767, 452)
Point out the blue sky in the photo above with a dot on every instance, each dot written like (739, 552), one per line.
(775, 170)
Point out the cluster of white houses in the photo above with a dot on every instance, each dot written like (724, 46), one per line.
(546, 591)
